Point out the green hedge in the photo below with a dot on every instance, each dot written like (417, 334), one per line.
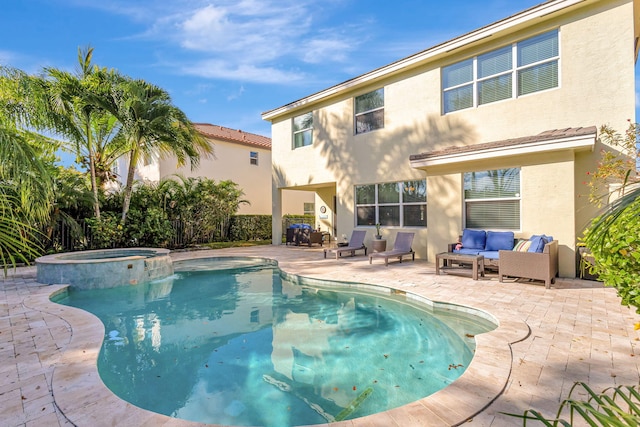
(250, 227)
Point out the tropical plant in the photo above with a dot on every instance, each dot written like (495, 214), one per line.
(202, 204)
(89, 130)
(615, 406)
(26, 165)
(615, 250)
(152, 125)
(617, 165)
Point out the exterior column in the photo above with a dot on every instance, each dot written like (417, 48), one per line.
(276, 215)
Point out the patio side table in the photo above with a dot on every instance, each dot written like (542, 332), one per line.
(379, 245)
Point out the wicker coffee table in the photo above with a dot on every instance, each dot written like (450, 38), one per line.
(476, 261)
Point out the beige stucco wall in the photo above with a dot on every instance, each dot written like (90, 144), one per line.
(596, 87)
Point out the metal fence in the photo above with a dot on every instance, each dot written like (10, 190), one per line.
(66, 238)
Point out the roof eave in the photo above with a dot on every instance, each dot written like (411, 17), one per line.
(421, 57)
(576, 143)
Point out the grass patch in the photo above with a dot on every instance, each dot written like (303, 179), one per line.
(237, 244)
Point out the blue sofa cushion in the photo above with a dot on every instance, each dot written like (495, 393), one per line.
(490, 254)
(307, 226)
(467, 251)
(473, 239)
(537, 243)
(497, 240)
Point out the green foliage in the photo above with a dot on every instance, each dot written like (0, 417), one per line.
(106, 232)
(616, 251)
(617, 163)
(202, 205)
(149, 228)
(615, 406)
(250, 227)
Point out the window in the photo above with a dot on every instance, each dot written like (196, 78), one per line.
(519, 69)
(253, 158)
(492, 199)
(401, 204)
(309, 208)
(303, 130)
(369, 111)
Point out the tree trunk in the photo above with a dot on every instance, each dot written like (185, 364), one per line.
(133, 160)
(92, 168)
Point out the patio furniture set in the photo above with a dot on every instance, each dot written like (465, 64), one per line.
(303, 234)
(535, 258)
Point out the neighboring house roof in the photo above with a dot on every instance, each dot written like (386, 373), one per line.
(233, 135)
(510, 23)
(550, 140)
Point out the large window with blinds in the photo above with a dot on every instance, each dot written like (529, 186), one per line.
(518, 69)
(492, 199)
(401, 204)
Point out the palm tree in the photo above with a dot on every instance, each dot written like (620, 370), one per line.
(89, 129)
(26, 166)
(151, 124)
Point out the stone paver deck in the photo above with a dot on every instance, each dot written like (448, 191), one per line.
(547, 340)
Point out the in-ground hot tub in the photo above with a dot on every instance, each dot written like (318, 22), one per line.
(105, 268)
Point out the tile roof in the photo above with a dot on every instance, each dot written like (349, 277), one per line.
(233, 135)
(548, 135)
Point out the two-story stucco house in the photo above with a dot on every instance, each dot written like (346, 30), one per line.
(495, 129)
(241, 157)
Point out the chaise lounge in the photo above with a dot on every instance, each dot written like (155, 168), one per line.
(401, 247)
(356, 243)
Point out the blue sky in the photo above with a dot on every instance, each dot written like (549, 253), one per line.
(224, 61)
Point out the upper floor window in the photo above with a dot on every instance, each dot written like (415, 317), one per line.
(253, 158)
(303, 130)
(369, 111)
(521, 68)
(393, 203)
(492, 199)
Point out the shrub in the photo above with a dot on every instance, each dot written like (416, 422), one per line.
(616, 250)
(250, 227)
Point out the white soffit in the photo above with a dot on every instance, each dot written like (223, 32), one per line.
(577, 143)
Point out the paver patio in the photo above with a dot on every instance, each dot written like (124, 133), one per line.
(575, 331)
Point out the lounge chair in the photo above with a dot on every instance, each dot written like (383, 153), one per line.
(355, 244)
(401, 247)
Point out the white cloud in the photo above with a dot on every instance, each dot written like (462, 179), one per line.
(236, 94)
(253, 41)
(248, 40)
(320, 50)
(218, 69)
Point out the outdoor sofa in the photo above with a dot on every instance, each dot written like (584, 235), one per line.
(534, 258)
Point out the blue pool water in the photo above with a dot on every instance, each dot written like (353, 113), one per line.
(247, 347)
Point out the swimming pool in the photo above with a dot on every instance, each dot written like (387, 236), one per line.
(252, 348)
